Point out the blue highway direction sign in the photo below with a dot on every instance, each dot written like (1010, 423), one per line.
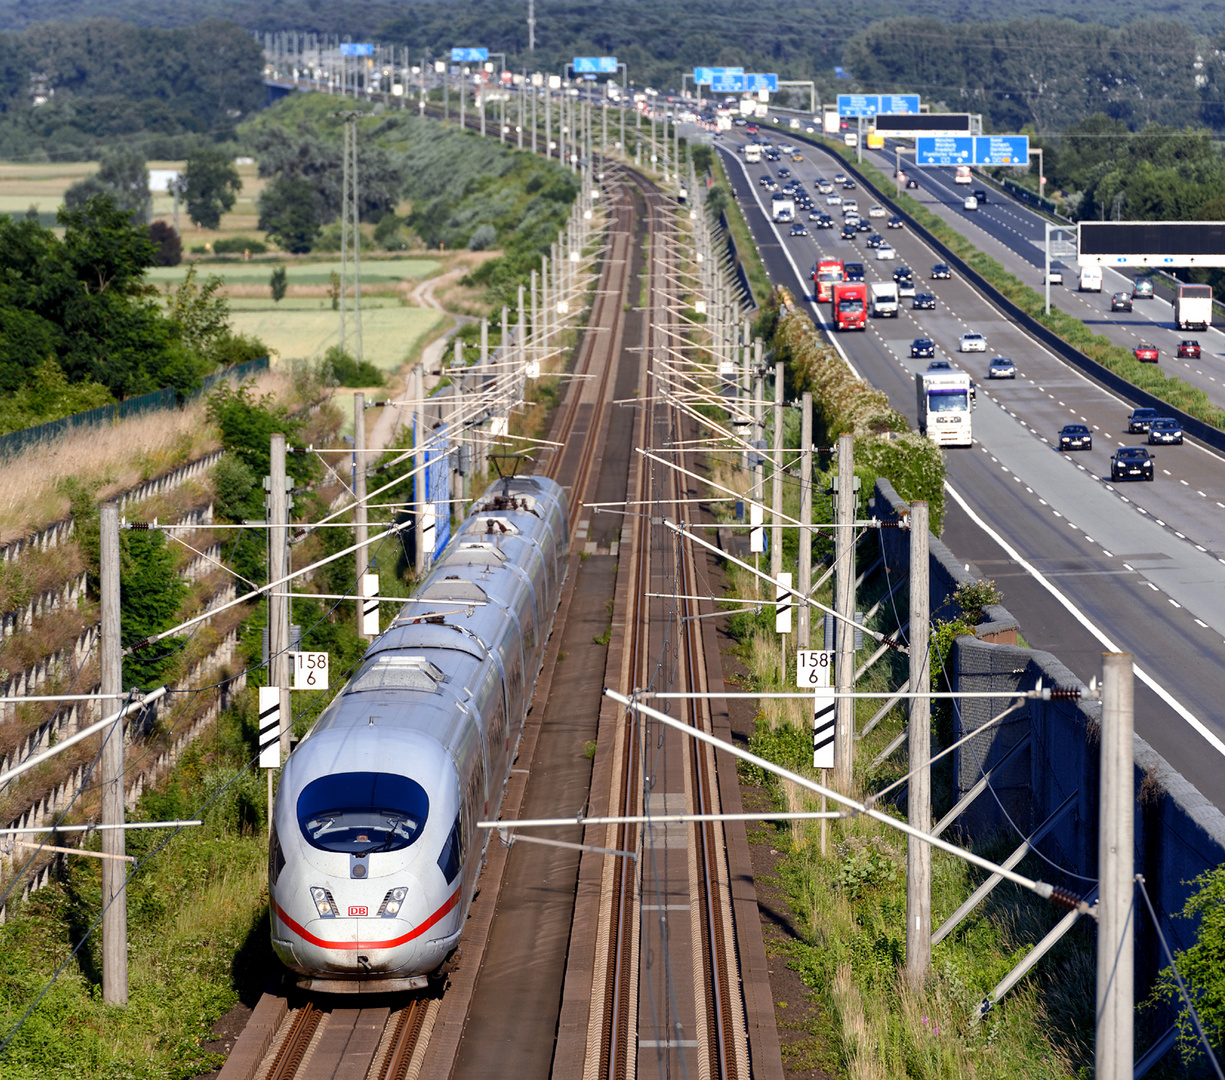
(871, 104)
(703, 76)
(347, 49)
(469, 56)
(972, 150)
(595, 65)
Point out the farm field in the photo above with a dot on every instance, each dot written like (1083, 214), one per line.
(389, 333)
(375, 272)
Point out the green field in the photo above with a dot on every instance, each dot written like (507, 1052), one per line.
(374, 272)
(389, 334)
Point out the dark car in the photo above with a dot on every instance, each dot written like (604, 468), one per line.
(863, 225)
(798, 230)
(941, 272)
(939, 365)
(848, 232)
(874, 241)
(1002, 367)
(1120, 301)
(1131, 463)
(1075, 437)
(1165, 432)
(923, 347)
(1146, 353)
(852, 271)
(765, 181)
(894, 223)
(981, 195)
(1189, 350)
(924, 301)
(1142, 288)
(902, 272)
(911, 182)
(784, 172)
(1140, 419)
(848, 185)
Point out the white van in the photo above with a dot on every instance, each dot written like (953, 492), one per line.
(1090, 279)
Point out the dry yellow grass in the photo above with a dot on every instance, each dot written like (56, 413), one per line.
(116, 458)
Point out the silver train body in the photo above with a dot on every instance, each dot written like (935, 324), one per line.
(374, 853)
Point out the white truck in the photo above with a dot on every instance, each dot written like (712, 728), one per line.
(945, 399)
(752, 154)
(1193, 307)
(1090, 279)
(783, 208)
(884, 300)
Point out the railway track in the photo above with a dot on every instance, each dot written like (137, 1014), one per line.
(325, 1038)
(666, 983)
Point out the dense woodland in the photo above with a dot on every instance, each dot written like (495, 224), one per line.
(106, 82)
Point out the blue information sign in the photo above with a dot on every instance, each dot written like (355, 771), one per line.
(1001, 149)
(729, 83)
(858, 104)
(703, 76)
(348, 49)
(972, 150)
(595, 65)
(761, 82)
(469, 56)
(871, 104)
(899, 103)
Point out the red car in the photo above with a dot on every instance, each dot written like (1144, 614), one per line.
(1189, 350)
(1146, 354)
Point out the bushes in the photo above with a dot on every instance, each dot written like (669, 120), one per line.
(239, 245)
(842, 403)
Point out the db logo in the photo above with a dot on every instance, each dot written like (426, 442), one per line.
(358, 909)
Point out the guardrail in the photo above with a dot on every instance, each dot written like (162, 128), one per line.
(1100, 374)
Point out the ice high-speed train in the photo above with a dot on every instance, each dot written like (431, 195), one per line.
(374, 854)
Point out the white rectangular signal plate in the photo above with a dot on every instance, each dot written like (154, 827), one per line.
(813, 668)
(310, 670)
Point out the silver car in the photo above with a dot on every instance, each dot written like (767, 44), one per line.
(972, 341)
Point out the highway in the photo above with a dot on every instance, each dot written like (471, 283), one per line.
(1085, 565)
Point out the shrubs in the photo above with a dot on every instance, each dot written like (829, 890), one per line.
(239, 245)
(842, 403)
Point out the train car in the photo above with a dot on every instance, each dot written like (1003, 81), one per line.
(373, 851)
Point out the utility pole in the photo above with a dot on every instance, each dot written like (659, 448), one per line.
(844, 632)
(350, 244)
(419, 508)
(776, 500)
(804, 621)
(361, 531)
(918, 789)
(531, 25)
(1114, 1041)
(114, 868)
(278, 568)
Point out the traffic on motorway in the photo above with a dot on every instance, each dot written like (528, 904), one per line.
(1148, 551)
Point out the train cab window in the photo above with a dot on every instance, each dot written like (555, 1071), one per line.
(452, 852)
(362, 812)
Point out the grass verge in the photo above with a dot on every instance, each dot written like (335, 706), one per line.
(746, 247)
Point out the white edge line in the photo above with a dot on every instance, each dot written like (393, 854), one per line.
(1079, 616)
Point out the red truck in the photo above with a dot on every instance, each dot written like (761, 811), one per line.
(850, 303)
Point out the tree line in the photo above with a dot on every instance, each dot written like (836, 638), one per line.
(69, 89)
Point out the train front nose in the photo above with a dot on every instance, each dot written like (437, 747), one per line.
(379, 930)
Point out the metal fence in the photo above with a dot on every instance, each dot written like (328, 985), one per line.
(15, 442)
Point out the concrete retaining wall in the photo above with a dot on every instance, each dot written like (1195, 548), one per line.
(1179, 834)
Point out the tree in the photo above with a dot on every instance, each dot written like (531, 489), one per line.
(202, 315)
(288, 213)
(278, 282)
(210, 186)
(1202, 966)
(169, 248)
(121, 175)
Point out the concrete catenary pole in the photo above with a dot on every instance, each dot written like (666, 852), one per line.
(278, 567)
(114, 869)
(419, 467)
(844, 634)
(361, 532)
(803, 635)
(918, 797)
(1114, 1043)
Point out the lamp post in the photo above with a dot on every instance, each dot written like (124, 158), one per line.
(624, 103)
(1041, 173)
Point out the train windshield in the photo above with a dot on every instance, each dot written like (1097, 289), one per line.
(361, 812)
